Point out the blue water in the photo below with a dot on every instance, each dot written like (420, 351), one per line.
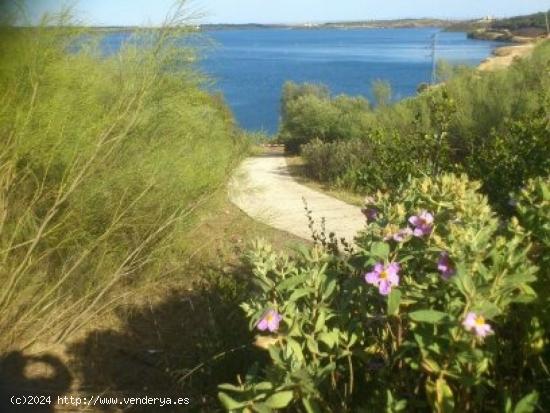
(250, 66)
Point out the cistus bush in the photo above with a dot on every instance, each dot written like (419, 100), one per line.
(533, 210)
(433, 310)
(532, 207)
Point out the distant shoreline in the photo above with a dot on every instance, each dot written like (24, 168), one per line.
(373, 24)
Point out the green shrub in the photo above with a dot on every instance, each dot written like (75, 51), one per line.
(510, 158)
(383, 159)
(308, 112)
(533, 210)
(433, 311)
(492, 126)
(331, 161)
(103, 161)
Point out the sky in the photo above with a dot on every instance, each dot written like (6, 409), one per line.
(152, 12)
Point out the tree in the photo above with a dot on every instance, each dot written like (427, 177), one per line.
(382, 92)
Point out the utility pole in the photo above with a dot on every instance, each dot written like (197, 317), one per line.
(547, 25)
(434, 61)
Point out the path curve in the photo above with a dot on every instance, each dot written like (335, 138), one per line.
(265, 190)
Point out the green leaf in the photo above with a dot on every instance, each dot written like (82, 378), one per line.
(427, 316)
(508, 405)
(440, 396)
(330, 289)
(231, 387)
(302, 292)
(430, 365)
(296, 349)
(262, 408)
(445, 399)
(489, 310)
(312, 345)
(320, 323)
(380, 250)
(527, 404)
(275, 354)
(279, 400)
(264, 283)
(463, 281)
(263, 386)
(394, 300)
(330, 339)
(291, 283)
(229, 403)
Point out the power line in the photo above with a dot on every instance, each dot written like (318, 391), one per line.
(434, 55)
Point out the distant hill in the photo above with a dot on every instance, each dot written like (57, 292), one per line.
(366, 24)
(487, 28)
(535, 22)
(520, 28)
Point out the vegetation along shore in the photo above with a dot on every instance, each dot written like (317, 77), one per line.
(126, 272)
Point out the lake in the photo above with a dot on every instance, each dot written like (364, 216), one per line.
(250, 66)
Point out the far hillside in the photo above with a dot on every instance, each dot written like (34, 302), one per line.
(511, 29)
(531, 25)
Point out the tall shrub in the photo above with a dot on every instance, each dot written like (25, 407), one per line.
(102, 160)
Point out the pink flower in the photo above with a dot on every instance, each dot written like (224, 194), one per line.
(370, 213)
(446, 266)
(422, 223)
(270, 321)
(477, 323)
(384, 277)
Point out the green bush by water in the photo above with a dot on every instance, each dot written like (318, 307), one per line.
(493, 126)
(103, 162)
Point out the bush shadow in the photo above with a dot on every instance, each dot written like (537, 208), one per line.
(43, 376)
(181, 347)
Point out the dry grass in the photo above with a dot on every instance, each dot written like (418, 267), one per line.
(163, 330)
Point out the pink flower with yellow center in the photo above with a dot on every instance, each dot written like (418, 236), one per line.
(384, 277)
(270, 321)
(476, 322)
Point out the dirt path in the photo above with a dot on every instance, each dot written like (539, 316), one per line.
(264, 189)
(505, 56)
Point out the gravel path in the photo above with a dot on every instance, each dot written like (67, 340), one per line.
(264, 189)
